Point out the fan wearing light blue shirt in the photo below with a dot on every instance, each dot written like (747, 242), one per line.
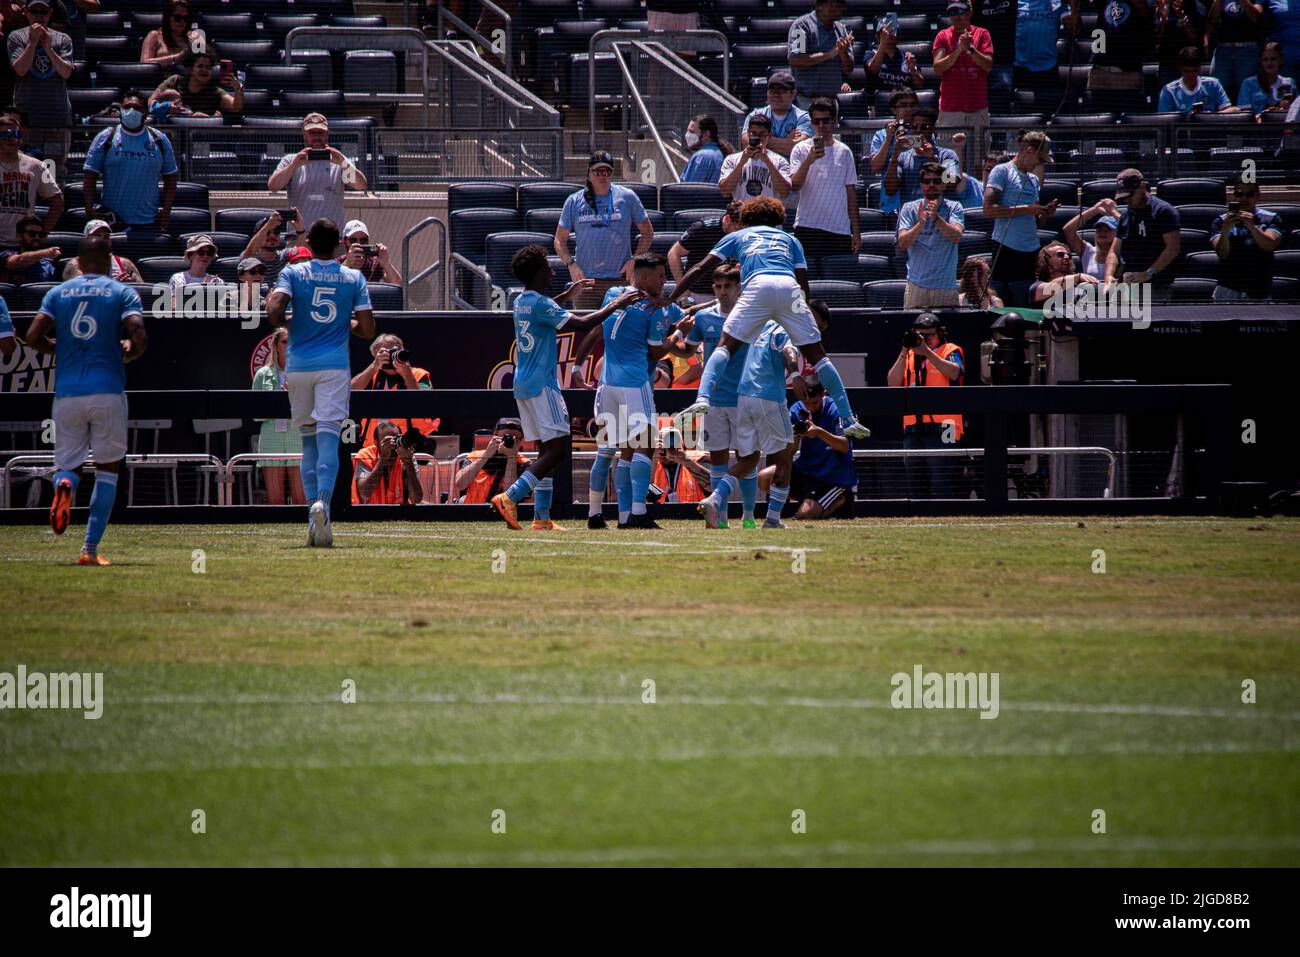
(1192, 92)
(1267, 89)
(132, 157)
(930, 229)
(601, 218)
(329, 301)
(789, 123)
(708, 152)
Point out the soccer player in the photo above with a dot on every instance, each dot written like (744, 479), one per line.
(762, 425)
(625, 403)
(718, 429)
(98, 326)
(329, 301)
(537, 390)
(774, 286)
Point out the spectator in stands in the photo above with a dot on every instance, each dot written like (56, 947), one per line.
(1092, 256)
(672, 15)
(823, 482)
(600, 218)
(495, 467)
(819, 50)
(1284, 27)
(968, 190)
(928, 360)
(963, 57)
(316, 186)
(23, 180)
(1128, 32)
(929, 229)
(1193, 93)
(826, 178)
(888, 68)
(265, 243)
(1011, 198)
(698, 241)
(41, 59)
(1244, 239)
(33, 261)
(1054, 271)
(280, 477)
(372, 261)
(168, 45)
(390, 368)
(678, 476)
(708, 152)
(120, 268)
(1178, 25)
(998, 17)
(251, 283)
(1147, 241)
(1268, 91)
(385, 470)
(201, 253)
(789, 123)
(756, 170)
(1235, 30)
(888, 142)
(197, 92)
(131, 158)
(903, 179)
(1038, 22)
(973, 285)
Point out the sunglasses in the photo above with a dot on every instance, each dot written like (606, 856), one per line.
(1060, 252)
(204, 252)
(180, 17)
(601, 171)
(931, 181)
(35, 233)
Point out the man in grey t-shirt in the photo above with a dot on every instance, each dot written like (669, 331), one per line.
(42, 61)
(316, 186)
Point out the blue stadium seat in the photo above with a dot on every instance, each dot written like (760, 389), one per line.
(836, 293)
(678, 196)
(278, 26)
(1203, 264)
(321, 65)
(226, 26)
(279, 78)
(89, 102)
(187, 220)
(501, 247)
(190, 195)
(241, 219)
(161, 268)
(879, 243)
(647, 192)
(855, 269)
(262, 102)
(885, 293)
(1199, 215)
(683, 219)
(370, 22)
(1190, 192)
(386, 297)
(143, 76)
(1286, 262)
(1193, 240)
(9, 293)
(874, 220)
(481, 196)
(542, 220)
(544, 195)
(249, 51)
(1067, 193)
(370, 71)
(663, 242)
(469, 229)
(612, 10)
(329, 102)
(228, 244)
(755, 60)
(118, 48)
(1192, 289)
(30, 295)
(768, 29)
(1285, 289)
(227, 267)
(974, 242)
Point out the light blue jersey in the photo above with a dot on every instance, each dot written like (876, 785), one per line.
(761, 251)
(6, 324)
(628, 333)
(131, 164)
(88, 313)
(537, 318)
(764, 375)
(325, 294)
(708, 330)
(1018, 188)
(1208, 92)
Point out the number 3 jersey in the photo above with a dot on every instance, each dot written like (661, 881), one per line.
(325, 294)
(88, 313)
(537, 317)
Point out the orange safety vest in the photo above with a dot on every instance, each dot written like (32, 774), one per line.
(391, 490)
(478, 490)
(688, 490)
(427, 426)
(933, 379)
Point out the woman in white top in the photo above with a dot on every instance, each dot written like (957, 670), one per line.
(1092, 256)
(201, 252)
(973, 283)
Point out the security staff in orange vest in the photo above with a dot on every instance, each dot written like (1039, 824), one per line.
(677, 477)
(496, 467)
(928, 359)
(385, 472)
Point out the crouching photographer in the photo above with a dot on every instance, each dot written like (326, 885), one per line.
(927, 359)
(823, 482)
(391, 368)
(496, 467)
(385, 469)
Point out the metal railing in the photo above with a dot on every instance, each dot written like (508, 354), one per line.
(45, 461)
(500, 154)
(437, 267)
(473, 94)
(973, 453)
(630, 85)
(394, 39)
(500, 44)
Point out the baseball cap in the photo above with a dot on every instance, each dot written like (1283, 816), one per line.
(201, 241)
(783, 79)
(1110, 221)
(298, 254)
(355, 226)
(39, 3)
(1126, 182)
(926, 320)
(94, 226)
(506, 422)
(315, 121)
(601, 158)
(250, 262)
(958, 6)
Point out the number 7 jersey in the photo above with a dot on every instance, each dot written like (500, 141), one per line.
(325, 294)
(88, 313)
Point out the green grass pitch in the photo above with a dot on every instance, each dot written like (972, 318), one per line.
(516, 696)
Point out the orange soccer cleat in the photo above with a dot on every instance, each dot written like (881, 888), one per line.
(506, 509)
(92, 558)
(546, 525)
(61, 509)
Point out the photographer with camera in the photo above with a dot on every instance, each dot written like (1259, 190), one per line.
(390, 368)
(385, 470)
(494, 468)
(369, 259)
(823, 482)
(265, 245)
(755, 170)
(928, 360)
(902, 183)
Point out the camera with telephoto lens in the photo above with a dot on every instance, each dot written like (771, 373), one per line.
(399, 355)
(911, 339)
(804, 423)
(508, 441)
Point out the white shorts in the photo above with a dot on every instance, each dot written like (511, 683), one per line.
(544, 416)
(623, 413)
(718, 429)
(763, 426)
(776, 298)
(318, 396)
(89, 423)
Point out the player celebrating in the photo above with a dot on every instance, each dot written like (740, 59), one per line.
(326, 296)
(774, 286)
(98, 326)
(762, 425)
(625, 403)
(537, 390)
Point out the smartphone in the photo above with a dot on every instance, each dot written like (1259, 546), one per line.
(227, 68)
(316, 155)
(818, 144)
(754, 141)
(1234, 206)
(289, 215)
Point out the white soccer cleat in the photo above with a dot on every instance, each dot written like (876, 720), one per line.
(854, 429)
(320, 533)
(708, 507)
(699, 407)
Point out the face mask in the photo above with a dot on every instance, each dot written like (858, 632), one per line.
(692, 138)
(132, 119)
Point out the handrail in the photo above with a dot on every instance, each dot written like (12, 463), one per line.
(1111, 458)
(436, 266)
(445, 14)
(442, 46)
(672, 61)
(456, 259)
(645, 112)
(41, 458)
(406, 39)
(226, 482)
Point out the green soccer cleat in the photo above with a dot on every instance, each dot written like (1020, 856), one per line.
(749, 523)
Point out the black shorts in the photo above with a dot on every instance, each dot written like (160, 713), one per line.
(804, 486)
(1013, 265)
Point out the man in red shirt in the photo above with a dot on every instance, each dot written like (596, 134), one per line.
(963, 58)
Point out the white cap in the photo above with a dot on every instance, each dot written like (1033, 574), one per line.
(355, 226)
(94, 226)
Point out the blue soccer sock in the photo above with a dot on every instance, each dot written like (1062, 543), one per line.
(776, 497)
(715, 475)
(599, 480)
(308, 466)
(749, 493)
(725, 489)
(830, 378)
(542, 499)
(714, 367)
(327, 459)
(641, 469)
(523, 487)
(71, 476)
(101, 506)
(623, 486)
